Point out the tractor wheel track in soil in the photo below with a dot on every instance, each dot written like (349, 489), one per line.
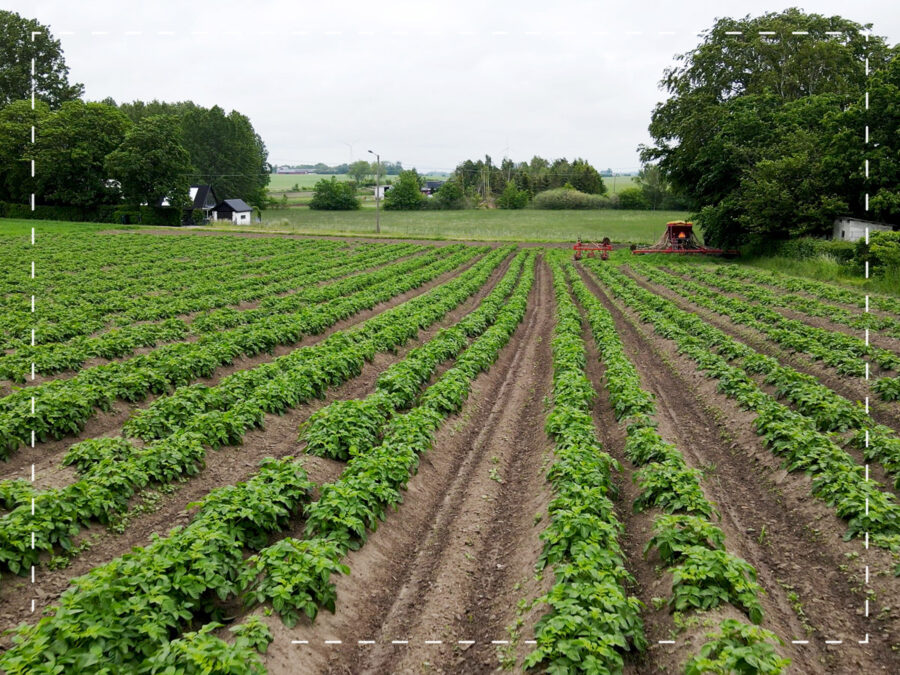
(454, 560)
(46, 456)
(226, 466)
(716, 436)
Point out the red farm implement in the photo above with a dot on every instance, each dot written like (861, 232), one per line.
(591, 249)
(679, 237)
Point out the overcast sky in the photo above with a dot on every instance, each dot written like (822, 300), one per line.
(425, 83)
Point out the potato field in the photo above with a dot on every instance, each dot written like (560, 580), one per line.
(246, 454)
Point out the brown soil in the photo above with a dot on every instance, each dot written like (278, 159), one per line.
(801, 548)
(226, 466)
(453, 561)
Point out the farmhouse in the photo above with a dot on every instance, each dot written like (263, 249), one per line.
(853, 229)
(235, 210)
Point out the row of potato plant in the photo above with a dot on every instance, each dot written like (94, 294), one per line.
(340, 429)
(592, 620)
(52, 358)
(831, 412)
(845, 353)
(836, 478)
(62, 407)
(817, 289)
(800, 303)
(71, 308)
(127, 615)
(192, 404)
(294, 575)
(704, 573)
(112, 470)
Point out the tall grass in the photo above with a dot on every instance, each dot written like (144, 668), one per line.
(829, 268)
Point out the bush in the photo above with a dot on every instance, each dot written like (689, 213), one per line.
(449, 196)
(882, 252)
(568, 198)
(512, 197)
(406, 194)
(802, 248)
(334, 195)
(633, 198)
(105, 213)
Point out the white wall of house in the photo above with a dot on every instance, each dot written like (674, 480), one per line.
(241, 217)
(853, 229)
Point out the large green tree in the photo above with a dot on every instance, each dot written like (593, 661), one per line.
(16, 121)
(227, 153)
(405, 193)
(151, 164)
(22, 40)
(359, 170)
(741, 100)
(70, 153)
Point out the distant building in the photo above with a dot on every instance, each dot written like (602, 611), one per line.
(431, 186)
(202, 198)
(235, 210)
(381, 190)
(853, 229)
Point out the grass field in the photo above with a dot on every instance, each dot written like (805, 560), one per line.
(483, 225)
(283, 182)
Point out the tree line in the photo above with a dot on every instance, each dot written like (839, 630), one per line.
(90, 154)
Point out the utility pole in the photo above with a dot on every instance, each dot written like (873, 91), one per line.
(377, 191)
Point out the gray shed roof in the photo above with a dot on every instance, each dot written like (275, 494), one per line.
(234, 205)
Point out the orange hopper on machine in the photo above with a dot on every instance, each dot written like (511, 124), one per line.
(591, 249)
(679, 237)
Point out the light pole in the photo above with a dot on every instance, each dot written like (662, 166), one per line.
(377, 190)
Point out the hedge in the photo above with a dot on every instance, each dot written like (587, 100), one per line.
(106, 213)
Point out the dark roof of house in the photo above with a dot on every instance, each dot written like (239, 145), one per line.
(200, 197)
(233, 205)
(433, 184)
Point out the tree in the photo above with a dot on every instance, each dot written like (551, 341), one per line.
(227, 153)
(71, 150)
(717, 137)
(18, 48)
(406, 194)
(586, 178)
(151, 164)
(512, 197)
(633, 198)
(16, 121)
(450, 196)
(359, 170)
(653, 184)
(332, 194)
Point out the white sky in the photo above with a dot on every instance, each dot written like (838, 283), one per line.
(426, 83)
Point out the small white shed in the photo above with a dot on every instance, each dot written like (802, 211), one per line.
(853, 229)
(235, 210)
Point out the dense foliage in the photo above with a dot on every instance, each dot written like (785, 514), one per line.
(22, 40)
(755, 125)
(334, 195)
